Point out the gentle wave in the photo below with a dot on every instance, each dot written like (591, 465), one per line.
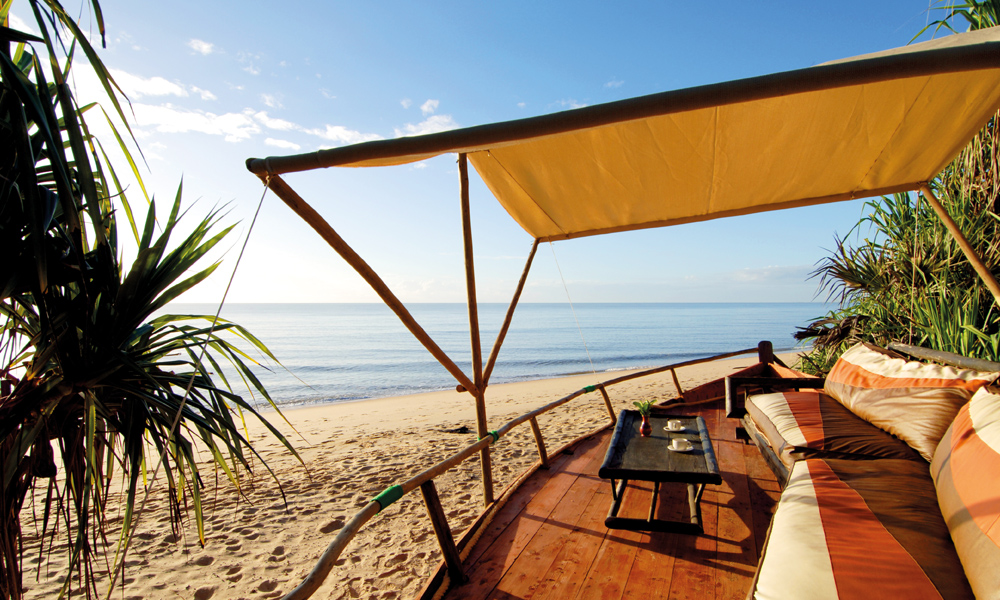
(350, 352)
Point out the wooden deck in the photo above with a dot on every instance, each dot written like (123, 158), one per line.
(549, 540)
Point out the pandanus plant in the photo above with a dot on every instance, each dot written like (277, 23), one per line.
(98, 384)
(908, 280)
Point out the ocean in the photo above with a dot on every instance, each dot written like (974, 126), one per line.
(347, 352)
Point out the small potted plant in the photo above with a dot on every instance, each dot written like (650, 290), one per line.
(645, 429)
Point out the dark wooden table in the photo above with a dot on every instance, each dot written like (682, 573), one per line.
(633, 457)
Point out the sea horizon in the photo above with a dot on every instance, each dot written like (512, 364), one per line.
(352, 351)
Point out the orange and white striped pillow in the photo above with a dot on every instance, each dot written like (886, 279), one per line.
(912, 400)
(966, 472)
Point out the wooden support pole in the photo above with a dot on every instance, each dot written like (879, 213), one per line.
(963, 243)
(319, 224)
(542, 455)
(765, 352)
(443, 532)
(510, 315)
(677, 383)
(477, 350)
(607, 403)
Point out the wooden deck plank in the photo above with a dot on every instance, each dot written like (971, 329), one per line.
(512, 509)
(693, 575)
(617, 551)
(604, 580)
(528, 571)
(555, 546)
(654, 559)
(736, 546)
(763, 492)
(576, 556)
(486, 572)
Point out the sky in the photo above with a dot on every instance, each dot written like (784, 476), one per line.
(214, 83)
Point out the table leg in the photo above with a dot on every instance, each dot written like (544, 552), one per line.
(694, 503)
(651, 523)
(617, 494)
(652, 504)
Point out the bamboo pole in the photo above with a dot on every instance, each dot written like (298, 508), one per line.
(442, 531)
(607, 403)
(543, 457)
(319, 224)
(686, 363)
(477, 350)
(510, 316)
(963, 243)
(677, 382)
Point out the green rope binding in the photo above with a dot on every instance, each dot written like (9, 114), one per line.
(590, 388)
(493, 434)
(387, 497)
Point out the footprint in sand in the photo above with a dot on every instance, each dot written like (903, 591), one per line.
(204, 593)
(395, 560)
(204, 560)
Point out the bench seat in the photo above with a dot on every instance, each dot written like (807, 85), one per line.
(811, 424)
(852, 529)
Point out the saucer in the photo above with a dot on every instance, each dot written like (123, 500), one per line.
(680, 427)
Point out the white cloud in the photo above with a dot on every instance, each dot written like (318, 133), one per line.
(279, 124)
(326, 94)
(285, 144)
(521, 104)
(233, 127)
(342, 135)
(429, 107)
(248, 60)
(270, 101)
(773, 274)
(136, 86)
(420, 165)
(205, 94)
(614, 83)
(201, 46)
(570, 103)
(432, 124)
(21, 25)
(406, 102)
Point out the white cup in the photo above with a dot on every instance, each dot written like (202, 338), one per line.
(680, 444)
(675, 425)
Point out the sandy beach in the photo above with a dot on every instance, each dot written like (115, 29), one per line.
(262, 546)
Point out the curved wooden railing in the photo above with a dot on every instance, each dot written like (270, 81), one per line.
(425, 480)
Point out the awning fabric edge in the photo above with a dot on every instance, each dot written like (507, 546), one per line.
(965, 57)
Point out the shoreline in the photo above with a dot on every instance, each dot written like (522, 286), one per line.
(263, 544)
(787, 354)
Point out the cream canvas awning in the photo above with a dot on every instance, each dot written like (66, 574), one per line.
(855, 128)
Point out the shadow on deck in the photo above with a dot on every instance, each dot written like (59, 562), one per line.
(549, 540)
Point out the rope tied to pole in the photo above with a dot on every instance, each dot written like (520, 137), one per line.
(493, 435)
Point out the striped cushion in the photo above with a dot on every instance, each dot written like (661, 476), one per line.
(810, 424)
(848, 529)
(966, 471)
(913, 401)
